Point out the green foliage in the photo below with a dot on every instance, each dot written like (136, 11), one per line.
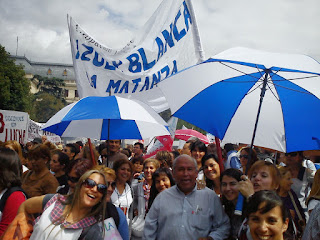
(15, 88)
(50, 98)
(189, 126)
(167, 114)
(53, 86)
(45, 106)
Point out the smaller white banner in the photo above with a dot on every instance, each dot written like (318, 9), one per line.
(13, 126)
(34, 131)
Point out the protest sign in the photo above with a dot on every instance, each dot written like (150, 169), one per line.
(168, 42)
(13, 126)
(34, 131)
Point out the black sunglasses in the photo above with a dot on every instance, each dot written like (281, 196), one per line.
(89, 183)
(73, 179)
(244, 156)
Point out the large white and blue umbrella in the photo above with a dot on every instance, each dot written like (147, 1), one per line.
(107, 118)
(249, 96)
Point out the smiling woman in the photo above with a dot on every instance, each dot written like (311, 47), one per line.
(267, 216)
(72, 216)
(122, 194)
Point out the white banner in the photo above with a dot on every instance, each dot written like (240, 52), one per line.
(168, 42)
(34, 131)
(13, 126)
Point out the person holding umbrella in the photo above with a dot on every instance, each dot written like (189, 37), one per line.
(112, 153)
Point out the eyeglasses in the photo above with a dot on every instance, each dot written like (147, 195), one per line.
(73, 179)
(89, 183)
(244, 156)
(292, 154)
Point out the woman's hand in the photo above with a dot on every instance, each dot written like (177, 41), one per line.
(246, 187)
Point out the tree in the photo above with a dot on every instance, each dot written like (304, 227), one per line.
(45, 106)
(15, 88)
(53, 86)
(166, 115)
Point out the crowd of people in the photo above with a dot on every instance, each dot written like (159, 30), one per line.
(78, 191)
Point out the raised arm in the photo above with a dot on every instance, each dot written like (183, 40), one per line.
(32, 205)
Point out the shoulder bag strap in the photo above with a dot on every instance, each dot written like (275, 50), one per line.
(295, 206)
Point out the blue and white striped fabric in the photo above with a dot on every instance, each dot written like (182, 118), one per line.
(92, 117)
(222, 94)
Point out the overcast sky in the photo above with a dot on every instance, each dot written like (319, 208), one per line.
(290, 26)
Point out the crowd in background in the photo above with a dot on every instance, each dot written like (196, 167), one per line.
(86, 188)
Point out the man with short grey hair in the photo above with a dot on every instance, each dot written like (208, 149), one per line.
(183, 212)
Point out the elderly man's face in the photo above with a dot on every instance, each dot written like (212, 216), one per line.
(185, 174)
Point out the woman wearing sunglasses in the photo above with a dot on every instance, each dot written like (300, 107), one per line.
(244, 156)
(75, 170)
(75, 216)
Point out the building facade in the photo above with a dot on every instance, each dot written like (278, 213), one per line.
(57, 70)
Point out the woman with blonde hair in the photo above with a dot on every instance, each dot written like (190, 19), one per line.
(85, 153)
(165, 159)
(141, 197)
(75, 216)
(15, 146)
(314, 196)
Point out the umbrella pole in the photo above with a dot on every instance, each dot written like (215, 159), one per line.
(108, 148)
(263, 91)
(239, 205)
(217, 140)
(91, 152)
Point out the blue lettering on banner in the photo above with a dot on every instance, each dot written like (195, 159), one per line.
(138, 61)
(119, 86)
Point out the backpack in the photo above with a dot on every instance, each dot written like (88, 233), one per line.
(7, 194)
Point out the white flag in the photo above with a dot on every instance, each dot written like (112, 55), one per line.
(168, 42)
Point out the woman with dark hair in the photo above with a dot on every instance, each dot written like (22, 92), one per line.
(161, 180)
(75, 170)
(263, 175)
(137, 163)
(122, 194)
(211, 172)
(291, 200)
(267, 216)
(244, 156)
(58, 164)
(39, 180)
(11, 193)
(198, 150)
(75, 216)
(230, 179)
